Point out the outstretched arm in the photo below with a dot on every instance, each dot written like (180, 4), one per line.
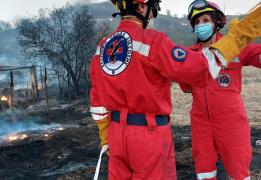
(240, 35)
(182, 65)
(251, 56)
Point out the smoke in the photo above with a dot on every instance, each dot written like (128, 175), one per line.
(4, 76)
(14, 125)
(10, 60)
(21, 78)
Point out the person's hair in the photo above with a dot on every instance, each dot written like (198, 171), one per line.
(213, 16)
(131, 8)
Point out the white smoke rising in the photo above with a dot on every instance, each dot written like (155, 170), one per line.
(14, 126)
(11, 60)
(11, 125)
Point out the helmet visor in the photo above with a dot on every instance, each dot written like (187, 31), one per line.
(198, 4)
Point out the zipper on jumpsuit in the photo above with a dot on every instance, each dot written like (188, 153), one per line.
(207, 104)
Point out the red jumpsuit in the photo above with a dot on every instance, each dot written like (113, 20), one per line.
(131, 75)
(219, 121)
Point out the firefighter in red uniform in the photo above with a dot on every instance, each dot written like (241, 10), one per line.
(219, 121)
(131, 75)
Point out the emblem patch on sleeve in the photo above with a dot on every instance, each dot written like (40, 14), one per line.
(224, 80)
(179, 54)
(116, 53)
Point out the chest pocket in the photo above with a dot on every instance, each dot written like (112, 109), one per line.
(230, 78)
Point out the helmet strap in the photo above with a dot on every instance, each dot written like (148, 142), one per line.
(116, 14)
(145, 19)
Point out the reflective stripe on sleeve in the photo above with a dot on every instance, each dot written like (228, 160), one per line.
(98, 110)
(207, 175)
(141, 48)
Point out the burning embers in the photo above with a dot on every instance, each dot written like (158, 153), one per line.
(23, 137)
(19, 128)
(4, 103)
(17, 137)
(4, 99)
(27, 130)
(43, 134)
(60, 128)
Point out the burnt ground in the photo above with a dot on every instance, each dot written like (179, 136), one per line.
(72, 153)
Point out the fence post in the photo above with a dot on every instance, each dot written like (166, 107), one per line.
(12, 90)
(34, 82)
(46, 89)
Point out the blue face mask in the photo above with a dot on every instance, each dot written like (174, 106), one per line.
(204, 31)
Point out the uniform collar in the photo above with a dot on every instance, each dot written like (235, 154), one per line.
(198, 46)
(129, 23)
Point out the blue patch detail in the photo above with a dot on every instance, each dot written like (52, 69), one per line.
(116, 53)
(224, 80)
(179, 54)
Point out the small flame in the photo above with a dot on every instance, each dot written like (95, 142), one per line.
(17, 137)
(46, 135)
(13, 138)
(61, 129)
(24, 136)
(3, 98)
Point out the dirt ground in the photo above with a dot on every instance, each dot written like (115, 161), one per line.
(71, 154)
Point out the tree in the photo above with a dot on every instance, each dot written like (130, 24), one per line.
(4, 25)
(65, 37)
(168, 13)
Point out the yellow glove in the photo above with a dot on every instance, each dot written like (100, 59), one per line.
(233, 23)
(240, 34)
(103, 126)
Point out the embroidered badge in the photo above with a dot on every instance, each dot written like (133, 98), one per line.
(179, 54)
(224, 80)
(116, 53)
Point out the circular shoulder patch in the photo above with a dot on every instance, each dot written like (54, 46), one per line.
(179, 54)
(116, 53)
(224, 80)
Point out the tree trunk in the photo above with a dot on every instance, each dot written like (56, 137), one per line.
(60, 88)
(75, 83)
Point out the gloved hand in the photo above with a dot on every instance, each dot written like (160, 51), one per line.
(240, 34)
(103, 126)
(233, 23)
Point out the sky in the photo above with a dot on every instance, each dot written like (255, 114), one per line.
(10, 10)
